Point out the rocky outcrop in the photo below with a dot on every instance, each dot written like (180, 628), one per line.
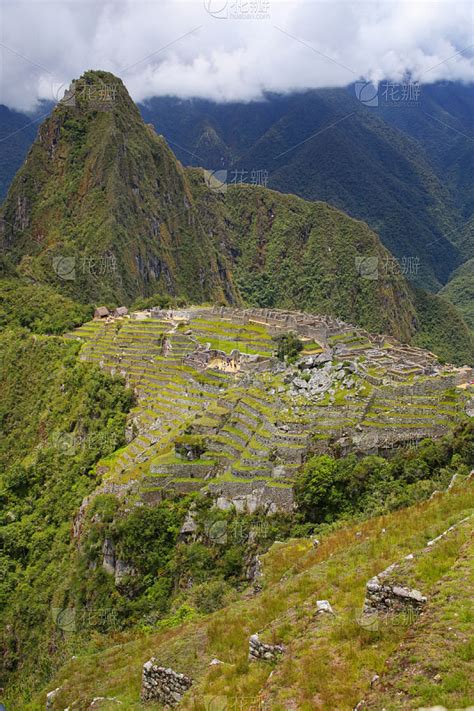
(163, 684)
(324, 607)
(268, 652)
(189, 528)
(120, 569)
(251, 497)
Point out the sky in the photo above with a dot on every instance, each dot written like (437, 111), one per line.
(229, 50)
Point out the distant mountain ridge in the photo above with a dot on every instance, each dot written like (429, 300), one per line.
(104, 212)
(407, 170)
(373, 163)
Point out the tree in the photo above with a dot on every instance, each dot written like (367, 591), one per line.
(288, 346)
(318, 492)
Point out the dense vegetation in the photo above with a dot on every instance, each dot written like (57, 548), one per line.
(442, 330)
(39, 308)
(460, 291)
(406, 170)
(102, 224)
(57, 418)
(330, 488)
(288, 347)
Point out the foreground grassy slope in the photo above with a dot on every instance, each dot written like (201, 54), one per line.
(329, 660)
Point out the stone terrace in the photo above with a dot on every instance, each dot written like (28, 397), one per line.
(210, 374)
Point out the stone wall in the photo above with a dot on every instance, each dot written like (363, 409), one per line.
(382, 597)
(318, 327)
(163, 684)
(252, 496)
(385, 595)
(268, 652)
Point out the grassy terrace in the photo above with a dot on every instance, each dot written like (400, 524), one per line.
(329, 661)
(227, 336)
(241, 420)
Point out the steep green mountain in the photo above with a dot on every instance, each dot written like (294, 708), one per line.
(326, 145)
(444, 128)
(103, 209)
(406, 170)
(460, 291)
(103, 212)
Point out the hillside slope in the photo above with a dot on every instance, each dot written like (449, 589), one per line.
(103, 212)
(329, 660)
(325, 145)
(146, 462)
(102, 209)
(460, 291)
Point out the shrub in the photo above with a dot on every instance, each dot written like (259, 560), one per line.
(288, 347)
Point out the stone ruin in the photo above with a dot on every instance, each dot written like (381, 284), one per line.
(268, 652)
(163, 684)
(384, 597)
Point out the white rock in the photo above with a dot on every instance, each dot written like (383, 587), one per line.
(324, 606)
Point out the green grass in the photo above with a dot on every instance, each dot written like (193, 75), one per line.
(329, 661)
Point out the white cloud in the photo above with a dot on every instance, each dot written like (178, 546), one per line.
(178, 47)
